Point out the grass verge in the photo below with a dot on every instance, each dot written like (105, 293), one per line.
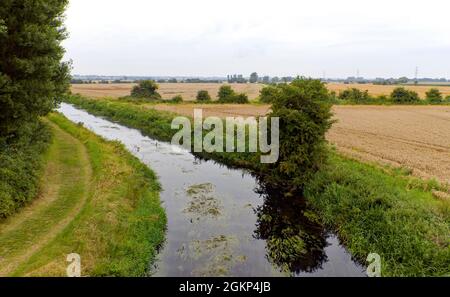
(105, 208)
(373, 210)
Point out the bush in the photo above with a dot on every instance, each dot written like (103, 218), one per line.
(227, 95)
(146, 89)
(434, 96)
(354, 95)
(304, 120)
(176, 99)
(21, 160)
(401, 95)
(240, 99)
(268, 94)
(203, 96)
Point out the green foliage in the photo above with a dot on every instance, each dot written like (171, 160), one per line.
(401, 95)
(203, 96)
(268, 94)
(377, 212)
(21, 160)
(176, 99)
(434, 96)
(354, 95)
(146, 89)
(304, 120)
(227, 95)
(32, 77)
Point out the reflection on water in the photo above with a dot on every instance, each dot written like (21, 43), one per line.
(218, 224)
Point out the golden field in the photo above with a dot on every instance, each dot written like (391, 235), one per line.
(189, 90)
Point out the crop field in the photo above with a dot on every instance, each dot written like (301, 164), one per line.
(189, 90)
(167, 90)
(384, 134)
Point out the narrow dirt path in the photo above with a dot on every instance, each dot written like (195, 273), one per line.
(64, 190)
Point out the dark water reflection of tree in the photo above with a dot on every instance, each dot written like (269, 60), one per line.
(295, 239)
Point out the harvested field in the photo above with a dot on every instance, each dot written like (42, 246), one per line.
(167, 90)
(414, 137)
(189, 90)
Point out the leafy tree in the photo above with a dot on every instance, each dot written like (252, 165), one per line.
(354, 95)
(203, 96)
(402, 95)
(32, 76)
(434, 96)
(176, 99)
(254, 78)
(268, 94)
(240, 98)
(225, 94)
(304, 118)
(146, 89)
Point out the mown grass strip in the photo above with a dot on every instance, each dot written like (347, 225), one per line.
(119, 227)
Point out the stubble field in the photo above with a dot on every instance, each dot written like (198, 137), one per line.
(189, 90)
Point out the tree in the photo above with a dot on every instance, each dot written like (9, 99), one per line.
(203, 96)
(254, 78)
(434, 96)
(402, 95)
(176, 99)
(354, 95)
(304, 118)
(32, 76)
(225, 94)
(146, 89)
(268, 94)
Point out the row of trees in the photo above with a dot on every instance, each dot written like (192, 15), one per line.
(148, 90)
(399, 95)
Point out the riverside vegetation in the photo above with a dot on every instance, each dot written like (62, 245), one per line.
(98, 201)
(372, 208)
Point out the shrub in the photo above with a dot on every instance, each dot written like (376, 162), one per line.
(146, 89)
(434, 96)
(304, 120)
(227, 95)
(176, 99)
(203, 96)
(21, 160)
(354, 95)
(268, 94)
(402, 95)
(240, 98)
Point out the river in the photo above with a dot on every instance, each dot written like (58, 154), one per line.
(220, 223)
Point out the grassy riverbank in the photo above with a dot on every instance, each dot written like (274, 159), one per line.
(373, 209)
(96, 200)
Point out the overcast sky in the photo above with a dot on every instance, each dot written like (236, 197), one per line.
(381, 38)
